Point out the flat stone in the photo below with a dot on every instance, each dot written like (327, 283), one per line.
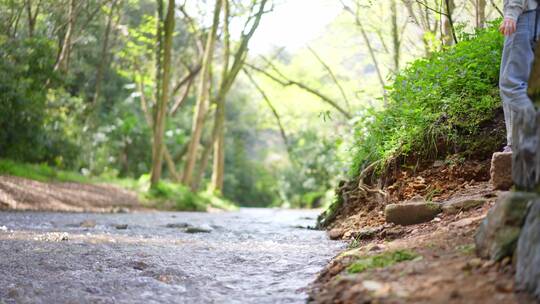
(528, 252)
(368, 233)
(120, 210)
(411, 213)
(501, 170)
(463, 204)
(438, 163)
(177, 225)
(88, 224)
(497, 236)
(121, 226)
(198, 230)
(465, 222)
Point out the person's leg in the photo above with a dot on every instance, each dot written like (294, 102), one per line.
(516, 66)
(505, 99)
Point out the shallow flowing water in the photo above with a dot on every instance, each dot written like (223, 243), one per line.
(249, 256)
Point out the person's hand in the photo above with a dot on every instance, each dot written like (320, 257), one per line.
(508, 27)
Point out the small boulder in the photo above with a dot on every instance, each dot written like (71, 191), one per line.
(463, 204)
(528, 253)
(411, 213)
(335, 234)
(497, 236)
(501, 170)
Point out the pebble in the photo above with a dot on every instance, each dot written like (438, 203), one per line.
(472, 264)
(505, 287)
(88, 224)
(139, 265)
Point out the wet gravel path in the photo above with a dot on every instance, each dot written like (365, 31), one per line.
(249, 256)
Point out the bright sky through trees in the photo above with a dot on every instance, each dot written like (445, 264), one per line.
(293, 23)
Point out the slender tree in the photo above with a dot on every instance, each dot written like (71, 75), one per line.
(448, 32)
(32, 16)
(104, 51)
(202, 99)
(480, 13)
(161, 105)
(62, 62)
(396, 40)
(228, 78)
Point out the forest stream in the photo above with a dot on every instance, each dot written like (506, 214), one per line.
(248, 256)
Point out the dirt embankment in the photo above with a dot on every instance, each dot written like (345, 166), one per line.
(23, 194)
(446, 269)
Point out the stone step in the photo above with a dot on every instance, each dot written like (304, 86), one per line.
(501, 170)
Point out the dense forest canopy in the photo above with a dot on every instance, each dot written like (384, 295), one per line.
(169, 90)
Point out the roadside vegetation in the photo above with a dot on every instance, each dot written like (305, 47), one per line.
(167, 195)
(437, 106)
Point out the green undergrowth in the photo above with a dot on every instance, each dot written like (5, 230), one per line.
(40, 172)
(438, 105)
(167, 195)
(444, 106)
(382, 260)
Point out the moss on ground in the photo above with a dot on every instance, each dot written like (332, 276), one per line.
(382, 260)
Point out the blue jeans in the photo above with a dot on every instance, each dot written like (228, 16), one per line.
(516, 64)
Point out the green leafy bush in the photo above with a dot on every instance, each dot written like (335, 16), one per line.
(25, 69)
(443, 100)
(180, 195)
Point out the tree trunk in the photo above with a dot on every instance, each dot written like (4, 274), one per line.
(161, 105)
(62, 63)
(203, 164)
(395, 35)
(480, 13)
(448, 32)
(32, 17)
(104, 52)
(159, 52)
(202, 99)
(227, 80)
(218, 169)
(218, 133)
